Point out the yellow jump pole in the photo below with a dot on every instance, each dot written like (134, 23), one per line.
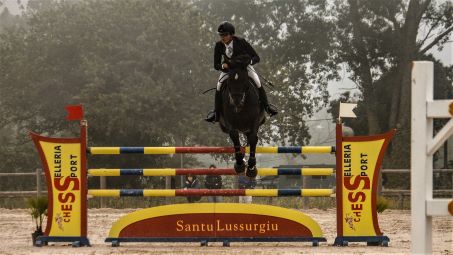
(210, 192)
(207, 171)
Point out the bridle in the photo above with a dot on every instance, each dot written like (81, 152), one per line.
(239, 107)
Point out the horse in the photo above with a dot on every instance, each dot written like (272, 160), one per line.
(241, 112)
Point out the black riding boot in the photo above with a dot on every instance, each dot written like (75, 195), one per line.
(213, 116)
(270, 109)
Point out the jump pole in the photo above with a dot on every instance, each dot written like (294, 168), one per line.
(210, 192)
(207, 171)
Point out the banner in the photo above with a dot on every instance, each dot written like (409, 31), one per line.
(63, 160)
(359, 159)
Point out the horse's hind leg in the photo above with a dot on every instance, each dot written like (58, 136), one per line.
(239, 166)
(252, 139)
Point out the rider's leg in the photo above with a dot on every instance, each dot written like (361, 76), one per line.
(213, 115)
(271, 109)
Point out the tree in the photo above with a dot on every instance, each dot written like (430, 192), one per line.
(294, 44)
(137, 67)
(305, 43)
(378, 40)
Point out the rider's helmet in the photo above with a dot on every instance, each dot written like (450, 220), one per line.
(226, 28)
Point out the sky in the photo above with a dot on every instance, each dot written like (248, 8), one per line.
(12, 5)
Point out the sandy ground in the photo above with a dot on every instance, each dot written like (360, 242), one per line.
(16, 228)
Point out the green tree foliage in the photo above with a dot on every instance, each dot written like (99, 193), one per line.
(378, 40)
(443, 89)
(138, 67)
(305, 43)
(294, 44)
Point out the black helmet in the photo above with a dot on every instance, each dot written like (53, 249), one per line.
(225, 28)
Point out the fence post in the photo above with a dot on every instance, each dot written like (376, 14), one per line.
(38, 182)
(103, 184)
(401, 200)
(305, 186)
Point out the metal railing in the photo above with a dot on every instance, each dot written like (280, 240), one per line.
(402, 194)
(38, 192)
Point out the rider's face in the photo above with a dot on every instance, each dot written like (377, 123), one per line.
(226, 38)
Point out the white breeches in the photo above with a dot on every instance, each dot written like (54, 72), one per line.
(251, 72)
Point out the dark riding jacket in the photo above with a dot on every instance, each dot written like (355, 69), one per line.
(243, 55)
(213, 182)
(194, 184)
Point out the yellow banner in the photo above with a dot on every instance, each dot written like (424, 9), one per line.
(358, 176)
(64, 166)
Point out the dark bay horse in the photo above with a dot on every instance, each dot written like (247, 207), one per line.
(241, 112)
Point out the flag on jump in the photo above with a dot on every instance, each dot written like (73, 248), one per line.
(75, 112)
(346, 110)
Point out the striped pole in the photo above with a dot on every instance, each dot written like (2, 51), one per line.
(212, 150)
(210, 192)
(207, 171)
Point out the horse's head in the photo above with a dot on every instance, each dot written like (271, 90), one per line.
(237, 87)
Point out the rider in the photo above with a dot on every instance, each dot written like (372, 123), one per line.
(225, 52)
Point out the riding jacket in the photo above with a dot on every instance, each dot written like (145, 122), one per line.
(243, 55)
(194, 184)
(213, 182)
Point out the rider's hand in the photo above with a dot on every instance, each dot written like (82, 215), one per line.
(225, 66)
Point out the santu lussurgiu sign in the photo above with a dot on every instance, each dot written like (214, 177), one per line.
(219, 226)
(201, 221)
(244, 225)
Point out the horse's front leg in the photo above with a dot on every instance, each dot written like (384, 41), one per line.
(252, 139)
(239, 166)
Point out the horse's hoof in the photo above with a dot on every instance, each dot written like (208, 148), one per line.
(251, 172)
(239, 168)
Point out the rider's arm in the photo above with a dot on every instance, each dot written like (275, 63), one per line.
(218, 56)
(240, 61)
(251, 52)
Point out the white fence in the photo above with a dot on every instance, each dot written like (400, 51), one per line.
(423, 145)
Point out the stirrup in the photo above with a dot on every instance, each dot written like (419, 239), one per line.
(211, 117)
